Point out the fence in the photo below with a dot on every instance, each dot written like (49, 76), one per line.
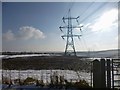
(106, 73)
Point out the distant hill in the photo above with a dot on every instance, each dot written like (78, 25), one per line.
(100, 54)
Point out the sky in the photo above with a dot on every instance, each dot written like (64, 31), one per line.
(0, 26)
(34, 26)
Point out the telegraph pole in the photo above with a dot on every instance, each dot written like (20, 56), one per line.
(70, 47)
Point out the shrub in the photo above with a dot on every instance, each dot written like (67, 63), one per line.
(29, 80)
(82, 84)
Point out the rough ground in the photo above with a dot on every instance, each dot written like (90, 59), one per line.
(46, 62)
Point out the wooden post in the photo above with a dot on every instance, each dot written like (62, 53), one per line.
(91, 74)
(96, 74)
(112, 75)
(108, 74)
(103, 75)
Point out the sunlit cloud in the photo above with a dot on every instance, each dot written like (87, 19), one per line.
(106, 21)
(24, 33)
(28, 32)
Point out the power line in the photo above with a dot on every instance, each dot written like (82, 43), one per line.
(94, 17)
(70, 6)
(70, 48)
(93, 12)
(92, 3)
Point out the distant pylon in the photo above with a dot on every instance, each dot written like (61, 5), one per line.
(70, 48)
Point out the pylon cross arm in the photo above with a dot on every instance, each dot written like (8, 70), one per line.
(70, 27)
(71, 35)
(69, 18)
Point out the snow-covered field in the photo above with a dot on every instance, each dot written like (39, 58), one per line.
(26, 55)
(45, 74)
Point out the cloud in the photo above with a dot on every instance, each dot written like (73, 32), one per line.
(106, 21)
(24, 33)
(28, 32)
(117, 38)
(9, 35)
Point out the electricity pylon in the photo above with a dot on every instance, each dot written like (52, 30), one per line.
(70, 48)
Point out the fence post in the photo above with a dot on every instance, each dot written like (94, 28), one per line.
(96, 74)
(108, 74)
(103, 75)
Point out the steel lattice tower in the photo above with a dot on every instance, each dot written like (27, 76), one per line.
(70, 47)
